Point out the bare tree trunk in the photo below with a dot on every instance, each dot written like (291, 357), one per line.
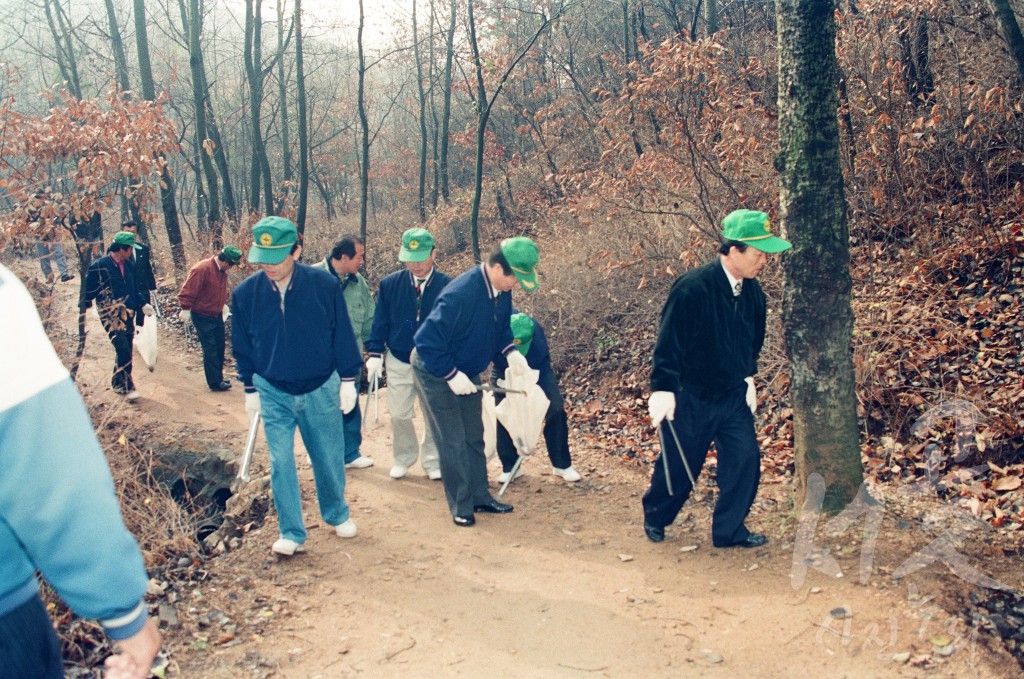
(170, 210)
(446, 114)
(431, 78)
(421, 205)
(1010, 30)
(67, 62)
(818, 317)
(128, 207)
(364, 130)
(204, 145)
(260, 168)
(711, 16)
(300, 82)
(286, 149)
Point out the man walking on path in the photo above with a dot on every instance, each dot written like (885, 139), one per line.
(347, 255)
(110, 282)
(712, 330)
(405, 298)
(143, 264)
(52, 250)
(298, 360)
(529, 339)
(58, 512)
(467, 329)
(203, 299)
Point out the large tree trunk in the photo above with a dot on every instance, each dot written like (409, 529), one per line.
(1010, 29)
(128, 207)
(282, 81)
(300, 83)
(421, 204)
(260, 168)
(446, 113)
(205, 145)
(364, 130)
(817, 316)
(67, 62)
(170, 210)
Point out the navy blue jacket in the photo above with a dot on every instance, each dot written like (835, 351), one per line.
(395, 320)
(296, 344)
(467, 328)
(105, 284)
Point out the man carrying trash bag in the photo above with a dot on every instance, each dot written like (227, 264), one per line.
(529, 339)
(712, 330)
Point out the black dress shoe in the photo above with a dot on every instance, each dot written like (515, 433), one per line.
(752, 540)
(223, 386)
(493, 507)
(654, 533)
(464, 521)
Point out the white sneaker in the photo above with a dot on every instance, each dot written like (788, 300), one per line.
(569, 474)
(434, 475)
(286, 547)
(361, 462)
(346, 530)
(132, 395)
(504, 476)
(398, 471)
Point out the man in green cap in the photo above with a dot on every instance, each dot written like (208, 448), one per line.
(343, 262)
(405, 298)
(466, 330)
(110, 282)
(141, 258)
(712, 330)
(529, 339)
(298, 359)
(203, 299)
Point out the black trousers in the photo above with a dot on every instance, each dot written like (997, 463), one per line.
(458, 429)
(556, 429)
(29, 648)
(121, 334)
(210, 330)
(729, 423)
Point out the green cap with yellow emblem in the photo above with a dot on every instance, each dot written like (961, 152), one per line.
(417, 244)
(754, 229)
(272, 240)
(522, 332)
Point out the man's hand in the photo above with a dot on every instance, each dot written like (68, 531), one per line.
(661, 405)
(185, 315)
(517, 362)
(348, 396)
(252, 404)
(136, 654)
(462, 385)
(148, 309)
(374, 364)
(751, 395)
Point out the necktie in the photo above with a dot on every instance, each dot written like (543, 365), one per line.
(738, 288)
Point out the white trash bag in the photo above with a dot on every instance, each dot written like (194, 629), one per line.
(145, 343)
(490, 426)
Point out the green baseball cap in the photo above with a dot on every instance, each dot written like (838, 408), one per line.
(232, 254)
(272, 240)
(522, 255)
(522, 332)
(754, 229)
(126, 238)
(417, 244)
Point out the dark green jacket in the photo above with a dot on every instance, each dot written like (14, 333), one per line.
(709, 339)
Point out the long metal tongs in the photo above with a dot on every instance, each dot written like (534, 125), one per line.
(250, 448)
(682, 456)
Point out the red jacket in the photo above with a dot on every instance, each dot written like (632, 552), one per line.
(205, 291)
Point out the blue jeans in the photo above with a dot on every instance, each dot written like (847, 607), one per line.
(353, 430)
(323, 432)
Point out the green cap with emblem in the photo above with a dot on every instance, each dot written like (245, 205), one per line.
(754, 229)
(522, 255)
(272, 240)
(417, 244)
(126, 238)
(231, 254)
(522, 332)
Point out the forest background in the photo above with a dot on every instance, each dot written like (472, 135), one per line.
(614, 133)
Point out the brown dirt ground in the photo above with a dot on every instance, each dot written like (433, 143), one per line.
(566, 586)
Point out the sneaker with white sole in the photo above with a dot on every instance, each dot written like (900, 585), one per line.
(286, 547)
(361, 462)
(505, 476)
(398, 471)
(346, 530)
(434, 475)
(569, 473)
(132, 395)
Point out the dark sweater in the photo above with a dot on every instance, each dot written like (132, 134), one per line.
(395, 320)
(709, 339)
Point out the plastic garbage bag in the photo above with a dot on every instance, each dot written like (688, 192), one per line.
(522, 415)
(490, 426)
(145, 343)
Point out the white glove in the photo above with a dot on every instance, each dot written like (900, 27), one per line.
(185, 315)
(517, 362)
(751, 395)
(348, 396)
(252, 404)
(662, 404)
(461, 385)
(225, 314)
(374, 364)
(148, 309)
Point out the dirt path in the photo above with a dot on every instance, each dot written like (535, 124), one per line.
(566, 586)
